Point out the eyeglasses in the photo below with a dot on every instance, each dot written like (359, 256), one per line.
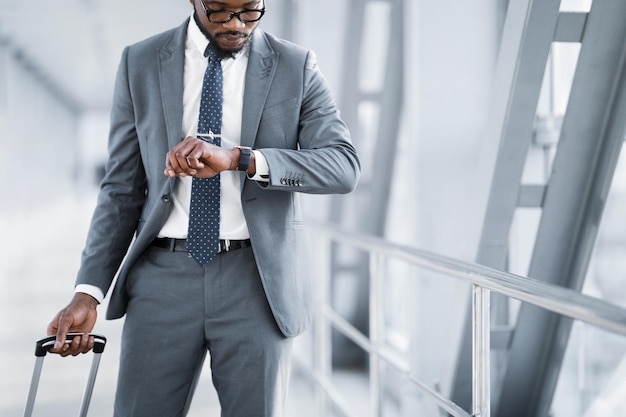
(224, 16)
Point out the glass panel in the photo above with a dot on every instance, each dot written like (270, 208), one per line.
(576, 5)
(555, 92)
(376, 33)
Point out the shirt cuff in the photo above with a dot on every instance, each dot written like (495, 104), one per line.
(92, 290)
(262, 173)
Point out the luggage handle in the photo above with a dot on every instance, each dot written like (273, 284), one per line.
(45, 344)
(42, 348)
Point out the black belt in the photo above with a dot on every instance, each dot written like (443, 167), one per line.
(180, 245)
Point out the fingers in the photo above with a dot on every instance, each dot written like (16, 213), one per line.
(72, 345)
(81, 343)
(176, 164)
(60, 327)
(193, 160)
(190, 158)
(78, 317)
(184, 159)
(60, 346)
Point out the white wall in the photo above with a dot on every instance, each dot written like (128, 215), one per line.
(38, 130)
(452, 48)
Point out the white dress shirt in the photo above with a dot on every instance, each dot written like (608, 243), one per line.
(232, 222)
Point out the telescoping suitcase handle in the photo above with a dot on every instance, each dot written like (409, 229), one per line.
(42, 348)
(45, 344)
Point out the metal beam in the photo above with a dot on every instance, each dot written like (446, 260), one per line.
(570, 27)
(531, 196)
(590, 143)
(528, 32)
(572, 201)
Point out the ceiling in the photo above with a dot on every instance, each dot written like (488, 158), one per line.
(75, 45)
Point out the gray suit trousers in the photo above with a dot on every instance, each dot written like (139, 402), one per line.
(179, 311)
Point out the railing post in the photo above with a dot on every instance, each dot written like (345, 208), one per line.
(481, 351)
(322, 336)
(376, 326)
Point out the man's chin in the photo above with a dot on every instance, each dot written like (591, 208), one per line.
(231, 44)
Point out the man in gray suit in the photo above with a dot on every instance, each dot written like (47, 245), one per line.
(281, 135)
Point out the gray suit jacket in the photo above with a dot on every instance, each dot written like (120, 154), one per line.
(288, 115)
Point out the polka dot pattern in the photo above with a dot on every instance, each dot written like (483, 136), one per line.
(204, 213)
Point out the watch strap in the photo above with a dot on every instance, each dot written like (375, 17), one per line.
(245, 154)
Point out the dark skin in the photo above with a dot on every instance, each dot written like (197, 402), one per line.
(196, 158)
(191, 157)
(78, 317)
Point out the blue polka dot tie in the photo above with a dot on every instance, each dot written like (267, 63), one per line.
(204, 211)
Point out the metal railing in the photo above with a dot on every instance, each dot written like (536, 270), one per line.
(484, 280)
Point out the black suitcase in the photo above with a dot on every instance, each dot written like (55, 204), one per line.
(42, 348)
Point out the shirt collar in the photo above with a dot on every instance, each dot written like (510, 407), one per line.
(195, 38)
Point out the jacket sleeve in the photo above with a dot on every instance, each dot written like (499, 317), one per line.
(122, 193)
(325, 161)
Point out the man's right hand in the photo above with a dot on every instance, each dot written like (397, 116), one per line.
(197, 158)
(78, 317)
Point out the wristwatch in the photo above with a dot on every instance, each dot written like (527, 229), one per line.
(244, 158)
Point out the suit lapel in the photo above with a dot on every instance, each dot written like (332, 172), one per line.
(260, 73)
(171, 58)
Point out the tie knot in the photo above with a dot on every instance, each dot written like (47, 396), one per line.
(214, 53)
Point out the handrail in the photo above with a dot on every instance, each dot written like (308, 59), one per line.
(484, 280)
(401, 368)
(550, 297)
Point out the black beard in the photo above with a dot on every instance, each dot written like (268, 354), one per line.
(221, 52)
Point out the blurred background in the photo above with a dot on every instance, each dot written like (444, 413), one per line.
(457, 108)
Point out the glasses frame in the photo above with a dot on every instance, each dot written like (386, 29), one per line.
(208, 14)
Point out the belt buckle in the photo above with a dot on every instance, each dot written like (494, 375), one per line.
(226, 245)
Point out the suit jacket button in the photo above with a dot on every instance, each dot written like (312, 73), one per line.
(283, 181)
(165, 198)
